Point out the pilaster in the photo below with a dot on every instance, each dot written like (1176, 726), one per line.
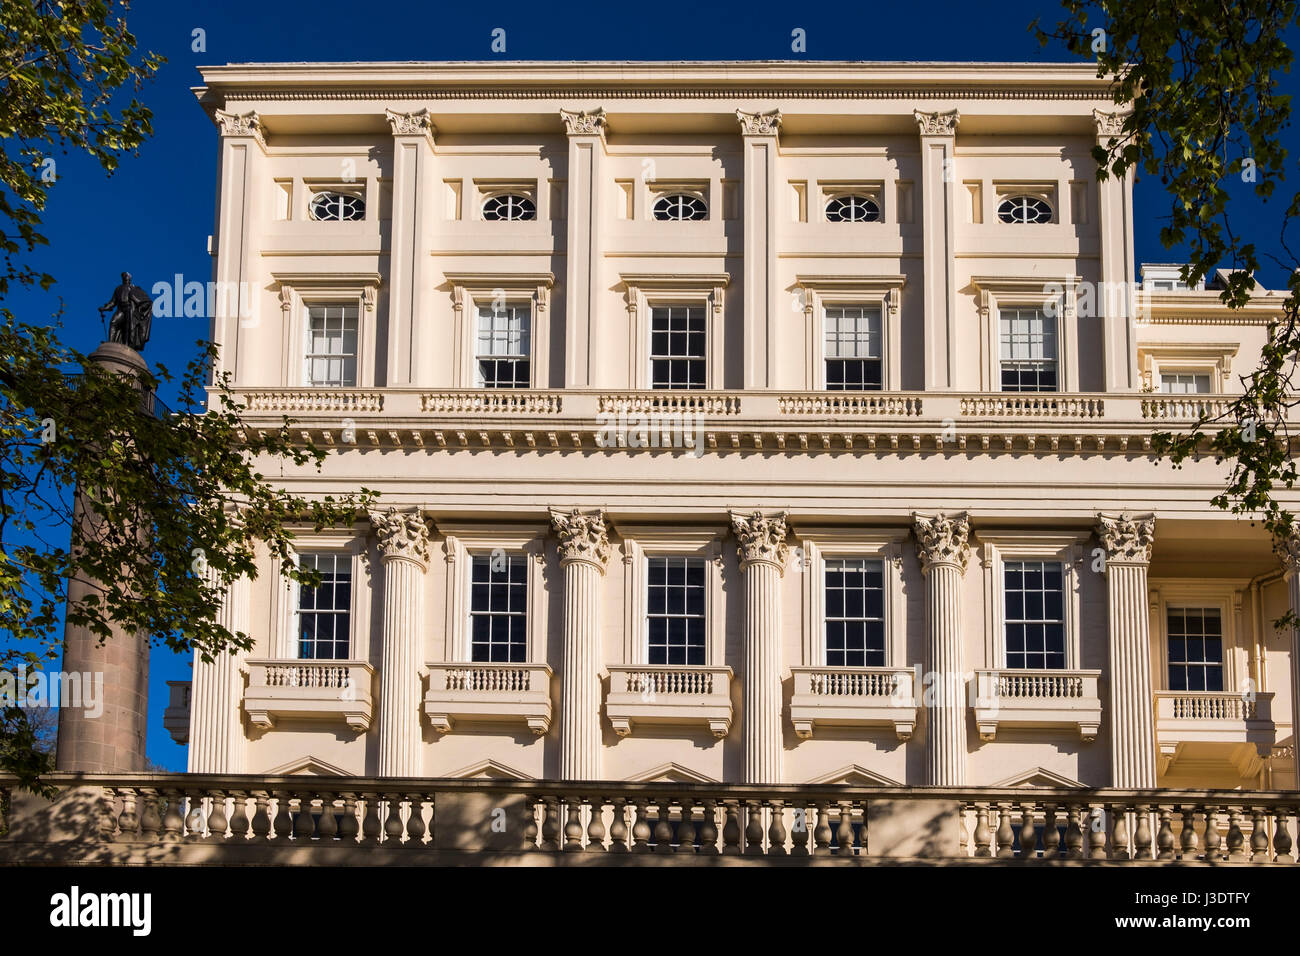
(761, 334)
(583, 255)
(413, 177)
(1115, 229)
(217, 742)
(938, 231)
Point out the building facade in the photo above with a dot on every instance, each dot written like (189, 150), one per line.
(760, 423)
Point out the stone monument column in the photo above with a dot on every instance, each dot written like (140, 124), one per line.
(943, 545)
(763, 554)
(114, 741)
(584, 552)
(404, 546)
(1127, 540)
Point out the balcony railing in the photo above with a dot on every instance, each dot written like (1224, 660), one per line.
(669, 695)
(853, 696)
(1008, 697)
(309, 689)
(488, 693)
(184, 818)
(1209, 725)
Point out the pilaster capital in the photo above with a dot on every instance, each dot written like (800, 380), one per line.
(583, 537)
(401, 534)
(1127, 538)
(1109, 124)
(585, 122)
(937, 124)
(241, 124)
(942, 539)
(759, 124)
(419, 123)
(762, 539)
(1288, 551)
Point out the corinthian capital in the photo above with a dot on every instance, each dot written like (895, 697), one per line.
(1108, 124)
(583, 537)
(759, 124)
(1288, 550)
(1126, 538)
(942, 539)
(584, 122)
(401, 534)
(761, 539)
(241, 124)
(937, 124)
(419, 123)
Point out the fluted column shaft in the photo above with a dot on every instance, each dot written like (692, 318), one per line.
(1293, 591)
(580, 744)
(1128, 541)
(946, 753)
(762, 694)
(404, 543)
(216, 694)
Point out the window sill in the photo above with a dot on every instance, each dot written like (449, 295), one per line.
(670, 696)
(488, 693)
(853, 697)
(1010, 697)
(312, 690)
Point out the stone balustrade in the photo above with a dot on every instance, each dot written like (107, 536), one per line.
(309, 689)
(1037, 698)
(853, 696)
(488, 693)
(163, 818)
(671, 695)
(1241, 724)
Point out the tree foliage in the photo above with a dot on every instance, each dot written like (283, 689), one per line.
(1200, 83)
(175, 506)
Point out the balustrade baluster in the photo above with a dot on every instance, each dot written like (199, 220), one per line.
(1213, 840)
(799, 831)
(983, 834)
(349, 827)
(261, 822)
(283, 821)
(641, 827)
(551, 825)
(530, 823)
(1258, 837)
(1142, 835)
(663, 826)
(731, 829)
(1281, 837)
(1096, 833)
(217, 821)
(127, 821)
(1051, 835)
(172, 820)
(194, 819)
(595, 824)
(573, 827)
(618, 827)
(1119, 848)
(415, 828)
(1028, 835)
(776, 830)
(393, 826)
(709, 829)
(1165, 838)
(1187, 839)
(686, 830)
(372, 829)
(1073, 833)
(150, 822)
(1236, 839)
(753, 828)
(304, 822)
(1006, 835)
(844, 832)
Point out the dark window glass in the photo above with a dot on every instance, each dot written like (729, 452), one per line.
(680, 208)
(498, 608)
(1034, 614)
(855, 613)
(675, 618)
(678, 347)
(1195, 648)
(324, 625)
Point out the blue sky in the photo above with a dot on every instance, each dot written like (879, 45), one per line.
(153, 217)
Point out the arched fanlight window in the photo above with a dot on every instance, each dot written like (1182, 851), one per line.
(1024, 209)
(852, 208)
(680, 208)
(337, 207)
(509, 207)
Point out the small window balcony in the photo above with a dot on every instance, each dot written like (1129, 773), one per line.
(488, 693)
(853, 697)
(681, 696)
(1047, 699)
(1214, 726)
(310, 690)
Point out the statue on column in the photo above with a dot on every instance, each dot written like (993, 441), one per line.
(132, 317)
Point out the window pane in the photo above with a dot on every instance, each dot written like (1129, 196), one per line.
(331, 357)
(678, 347)
(499, 608)
(675, 618)
(1027, 346)
(1195, 639)
(855, 622)
(324, 625)
(1033, 614)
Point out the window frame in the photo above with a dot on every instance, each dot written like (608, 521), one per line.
(308, 356)
(1211, 358)
(825, 378)
(297, 291)
(644, 292)
(1055, 360)
(506, 193)
(472, 290)
(459, 543)
(1055, 294)
(316, 192)
(283, 641)
(659, 194)
(651, 308)
(1228, 597)
(818, 292)
(996, 548)
(817, 545)
(476, 554)
(479, 308)
(640, 542)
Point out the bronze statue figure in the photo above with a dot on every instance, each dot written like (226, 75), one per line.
(132, 314)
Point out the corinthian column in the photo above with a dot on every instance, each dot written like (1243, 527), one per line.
(1289, 551)
(584, 550)
(1127, 541)
(943, 545)
(763, 555)
(404, 545)
(216, 695)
